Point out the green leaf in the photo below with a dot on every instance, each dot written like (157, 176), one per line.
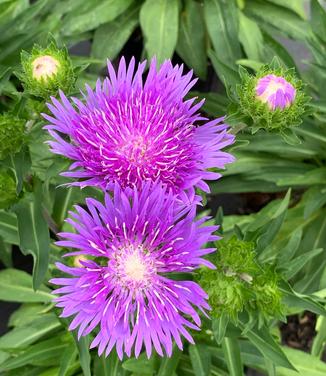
(232, 356)
(290, 137)
(33, 233)
(191, 45)
(214, 104)
(147, 366)
(318, 19)
(27, 313)
(200, 360)
(295, 265)
(222, 24)
(25, 335)
(315, 198)
(296, 6)
(84, 356)
(64, 199)
(265, 343)
(290, 249)
(20, 164)
(305, 364)
(266, 231)
(67, 359)
(41, 352)
(5, 253)
(9, 227)
(251, 38)
(227, 73)
(159, 23)
(117, 32)
(16, 286)
(294, 299)
(219, 326)
(170, 364)
(103, 12)
(108, 366)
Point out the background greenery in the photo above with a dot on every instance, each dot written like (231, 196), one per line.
(213, 37)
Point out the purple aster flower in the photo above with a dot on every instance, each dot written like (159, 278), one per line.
(275, 91)
(125, 291)
(132, 129)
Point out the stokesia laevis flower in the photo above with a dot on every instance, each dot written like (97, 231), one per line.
(125, 290)
(132, 129)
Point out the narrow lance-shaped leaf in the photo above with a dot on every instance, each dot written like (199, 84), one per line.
(84, 356)
(103, 12)
(34, 233)
(191, 43)
(159, 23)
(222, 24)
(200, 360)
(117, 32)
(16, 286)
(232, 356)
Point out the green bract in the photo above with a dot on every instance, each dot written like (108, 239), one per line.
(46, 70)
(11, 134)
(240, 283)
(258, 114)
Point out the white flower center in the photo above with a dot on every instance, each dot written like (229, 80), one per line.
(135, 269)
(44, 66)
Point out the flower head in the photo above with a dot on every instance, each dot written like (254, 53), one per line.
(46, 70)
(275, 91)
(134, 244)
(132, 129)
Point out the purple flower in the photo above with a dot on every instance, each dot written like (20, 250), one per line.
(275, 91)
(134, 242)
(132, 129)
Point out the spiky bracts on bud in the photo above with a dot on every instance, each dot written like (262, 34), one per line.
(46, 70)
(12, 133)
(240, 283)
(132, 246)
(7, 189)
(273, 99)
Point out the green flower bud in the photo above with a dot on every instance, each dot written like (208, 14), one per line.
(46, 70)
(7, 190)
(273, 99)
(239, 283)
(11, 134)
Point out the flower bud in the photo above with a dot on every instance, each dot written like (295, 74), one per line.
(11, 134)
(272, 100)
(240, 283)
(46, 70)
(7, 189)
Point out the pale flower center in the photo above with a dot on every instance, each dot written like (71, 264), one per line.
(135, 149)
(44, 66)
(135, 269)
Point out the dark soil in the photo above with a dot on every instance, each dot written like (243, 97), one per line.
(299, 331)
